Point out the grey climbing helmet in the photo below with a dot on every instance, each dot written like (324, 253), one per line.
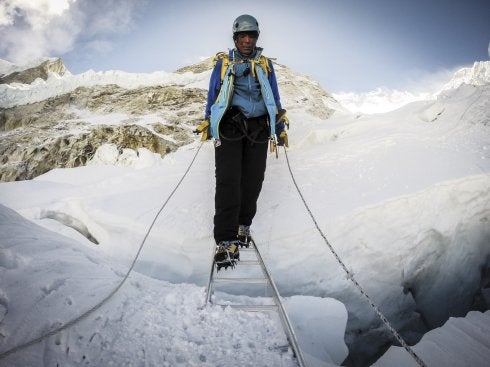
(245, 23)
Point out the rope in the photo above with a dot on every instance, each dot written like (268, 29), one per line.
(350, 276)
(101, 303)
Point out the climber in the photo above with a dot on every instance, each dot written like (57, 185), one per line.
(243, 115)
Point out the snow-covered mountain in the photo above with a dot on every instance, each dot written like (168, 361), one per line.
(379, 100)
(65, 111)
(403, 196)
(477, 75)
(26, 74)
(383, 99)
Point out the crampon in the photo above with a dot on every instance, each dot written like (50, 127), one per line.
(226, 255)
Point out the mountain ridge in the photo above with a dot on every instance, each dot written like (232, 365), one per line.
(61, 111)
(383, 99)
(29, 73)
(70, 116)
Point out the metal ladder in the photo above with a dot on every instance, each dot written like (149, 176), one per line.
(265, 280)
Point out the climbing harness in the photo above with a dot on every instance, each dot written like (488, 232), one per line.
(241, 125)
(350, 275)
(109, 296)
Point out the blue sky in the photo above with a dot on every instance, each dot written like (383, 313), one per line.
(350, 45)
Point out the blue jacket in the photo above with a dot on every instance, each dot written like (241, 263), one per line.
(247, 92)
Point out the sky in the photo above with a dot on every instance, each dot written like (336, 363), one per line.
(351, 45)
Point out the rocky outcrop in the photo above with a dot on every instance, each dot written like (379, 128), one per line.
(42, 114)
(66, 131)
(185, 103)
(300, 91)
(41, 71)
(200, 67)
(111, 98)
(24, 160)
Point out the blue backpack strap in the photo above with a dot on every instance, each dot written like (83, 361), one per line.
(268, 97)
(262, 71)
(218, 109)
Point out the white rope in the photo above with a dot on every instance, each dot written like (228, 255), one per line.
(350, 276)
(101, 303)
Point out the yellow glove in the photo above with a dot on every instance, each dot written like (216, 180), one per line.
(281, 117)
(282, 139)
(204, 129)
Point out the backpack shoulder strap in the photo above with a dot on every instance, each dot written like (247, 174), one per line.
(225, 61)
(265, 63)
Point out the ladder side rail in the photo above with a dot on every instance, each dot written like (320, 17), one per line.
(209, 291)
(286, 323)
(282, 313)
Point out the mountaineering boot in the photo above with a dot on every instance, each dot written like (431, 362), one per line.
(244, 237)
(227, 254)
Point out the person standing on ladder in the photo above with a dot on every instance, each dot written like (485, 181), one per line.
(243, 114)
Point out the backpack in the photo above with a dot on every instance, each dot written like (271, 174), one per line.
(225, 62)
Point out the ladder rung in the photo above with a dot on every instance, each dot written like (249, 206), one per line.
(251, 308)
(248, 262)
(242, 280)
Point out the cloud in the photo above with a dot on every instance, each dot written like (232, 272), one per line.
(31, 29)
(34, 12)
(419, 81)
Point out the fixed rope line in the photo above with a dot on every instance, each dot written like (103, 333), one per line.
(109, 296)
(350, 276)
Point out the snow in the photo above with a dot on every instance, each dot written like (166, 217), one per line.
(379, 100)
(148, 319)
(108, 154)
(403, 196)
(383, 99)
(478, 74)
(7, 67)
(19, 94)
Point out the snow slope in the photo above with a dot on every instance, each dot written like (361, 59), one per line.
(150, 321)
(404, 197)
(172, 327)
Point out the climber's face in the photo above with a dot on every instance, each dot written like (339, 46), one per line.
(245, 42)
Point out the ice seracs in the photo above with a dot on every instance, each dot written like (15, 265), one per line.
(26, 74)
(477, 75)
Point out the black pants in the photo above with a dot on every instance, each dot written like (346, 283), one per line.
(240, 166)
